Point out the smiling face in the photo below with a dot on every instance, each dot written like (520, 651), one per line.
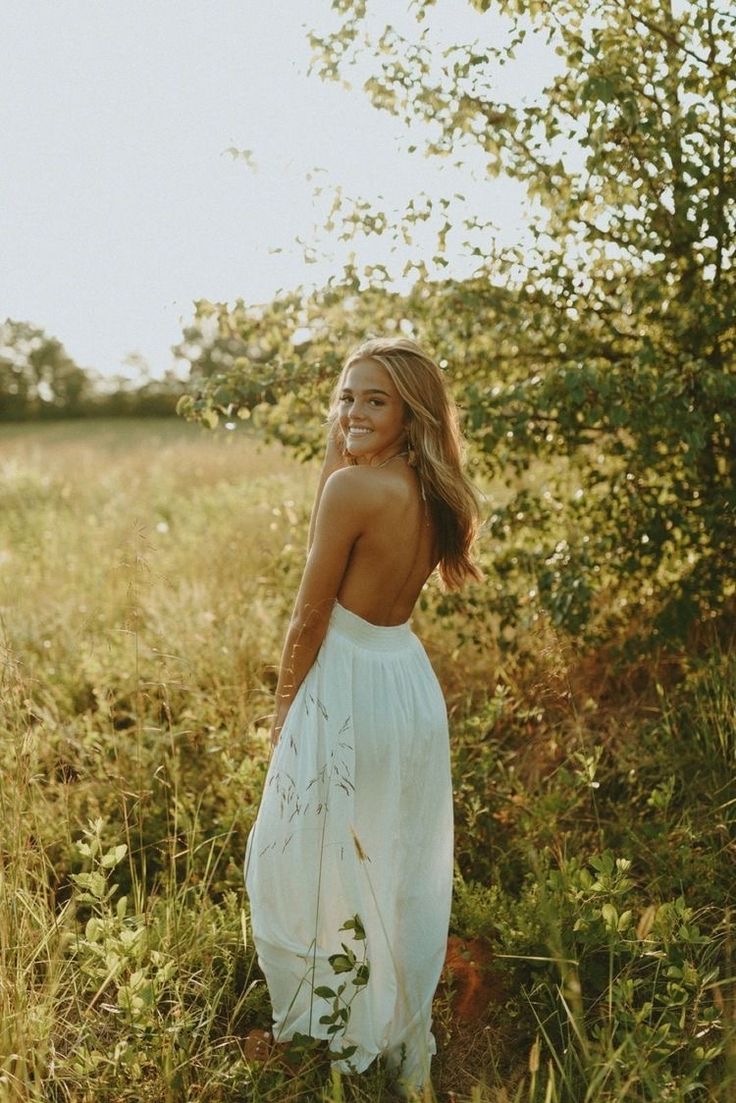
(371, 412)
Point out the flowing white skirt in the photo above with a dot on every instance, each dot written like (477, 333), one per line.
(355, 827)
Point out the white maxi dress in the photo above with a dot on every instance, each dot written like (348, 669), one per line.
(355, 827)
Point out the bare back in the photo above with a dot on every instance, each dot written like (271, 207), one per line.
(395, 555)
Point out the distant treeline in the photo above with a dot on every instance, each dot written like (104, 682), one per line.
(40, 381)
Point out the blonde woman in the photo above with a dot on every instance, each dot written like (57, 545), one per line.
(349, 864)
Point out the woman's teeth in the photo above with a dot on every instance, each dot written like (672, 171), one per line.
(359, 432)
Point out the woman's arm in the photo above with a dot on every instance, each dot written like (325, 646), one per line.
(333, 461)
(346, 506)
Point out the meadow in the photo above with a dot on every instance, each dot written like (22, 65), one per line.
(147, 569)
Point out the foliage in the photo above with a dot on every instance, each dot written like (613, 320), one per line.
(618, 969)
(605, 351)
(40, 381)
(143, 396)
(621, 998)
(37, 377)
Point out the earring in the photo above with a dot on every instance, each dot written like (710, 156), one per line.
(411, 454)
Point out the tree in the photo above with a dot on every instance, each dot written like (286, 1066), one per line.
(37, 377)
(604, 356)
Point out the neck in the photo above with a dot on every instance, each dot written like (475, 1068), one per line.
(388, 459)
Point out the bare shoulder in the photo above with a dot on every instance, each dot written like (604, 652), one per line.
(364, 490)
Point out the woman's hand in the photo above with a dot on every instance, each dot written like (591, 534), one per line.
(277, 723)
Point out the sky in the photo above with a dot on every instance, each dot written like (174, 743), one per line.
(119, 201)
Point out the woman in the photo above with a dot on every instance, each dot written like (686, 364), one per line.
(349, 863)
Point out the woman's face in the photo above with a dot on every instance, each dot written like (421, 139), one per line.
(371, 413)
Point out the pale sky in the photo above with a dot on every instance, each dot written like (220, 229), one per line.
(119, 204)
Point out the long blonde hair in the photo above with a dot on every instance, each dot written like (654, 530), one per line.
(434, 438)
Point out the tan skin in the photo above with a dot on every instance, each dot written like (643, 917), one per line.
(371, 541)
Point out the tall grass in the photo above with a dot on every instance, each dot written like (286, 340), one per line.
(145, 575)
(131, 753)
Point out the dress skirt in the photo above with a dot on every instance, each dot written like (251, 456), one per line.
(349, 864)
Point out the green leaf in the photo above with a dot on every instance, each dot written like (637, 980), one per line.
(346, 1052)
(94, 882)
(610, 916)
(341, 963)
(94, 929)
(356, 926)
(362, 974)
(114, 856)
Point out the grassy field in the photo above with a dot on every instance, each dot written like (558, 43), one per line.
(146, 572)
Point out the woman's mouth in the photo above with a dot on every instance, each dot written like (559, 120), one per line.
(358, 432)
